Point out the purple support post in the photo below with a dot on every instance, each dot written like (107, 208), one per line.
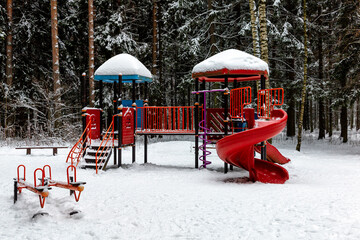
(202, 125)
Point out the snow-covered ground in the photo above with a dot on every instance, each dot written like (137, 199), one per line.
(169, 199)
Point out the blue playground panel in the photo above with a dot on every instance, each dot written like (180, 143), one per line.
(125, 78)
(139, 103)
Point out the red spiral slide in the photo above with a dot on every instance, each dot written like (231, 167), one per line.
(238, 149)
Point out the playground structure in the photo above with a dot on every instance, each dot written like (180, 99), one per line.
(237, 130)
(44, 183)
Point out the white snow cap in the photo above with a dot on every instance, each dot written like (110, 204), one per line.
(231, 59)
(124, 64)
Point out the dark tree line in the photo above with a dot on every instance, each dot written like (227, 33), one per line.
(170, 37)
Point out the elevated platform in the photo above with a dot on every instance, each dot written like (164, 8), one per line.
(165, 132)
(176, 132)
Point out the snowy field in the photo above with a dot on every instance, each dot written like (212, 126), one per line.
(169, 199)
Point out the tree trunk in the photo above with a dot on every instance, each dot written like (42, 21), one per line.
(255, 36)
(321, 118)
(306, 114)
(160, 52)
(155, 40)
(358, 114)
(91, 53)
(321, 77)
(211, 28)
(254, 31)
(311, 114)
(8, 120)
(263, 36)
(330, 119)
(352, 117)
(303, 93)
(336, 120)
(55, 62)
(210, 20)
(343, 123)
(9, 42)
(290, 129)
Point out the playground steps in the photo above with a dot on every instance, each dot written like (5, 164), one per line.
(90, 158)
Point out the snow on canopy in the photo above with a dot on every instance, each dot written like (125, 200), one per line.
(231, 60)
(126, 65)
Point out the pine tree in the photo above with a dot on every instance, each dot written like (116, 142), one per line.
(303, 94)
(54, 116)
(9, 120)
(346, 71)
(321, 76)
(263, 36)
(91, 52)
(155, 38)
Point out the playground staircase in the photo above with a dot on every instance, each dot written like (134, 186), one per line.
(90, 157)
(98, 153)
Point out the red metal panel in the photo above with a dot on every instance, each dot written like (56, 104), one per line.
(128, 126)
(215, 119)
(250, 117)
(95, 122)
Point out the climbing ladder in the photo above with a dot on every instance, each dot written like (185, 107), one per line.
(205, 129)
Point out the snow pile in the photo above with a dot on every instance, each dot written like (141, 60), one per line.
(169, 199)
(231, 59)
(124, 64)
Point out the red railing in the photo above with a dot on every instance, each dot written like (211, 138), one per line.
(80, 146)
(106, 144)
(239, 97)
(168, 119)
(267, 99)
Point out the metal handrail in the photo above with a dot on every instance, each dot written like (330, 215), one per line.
(104, 147)
(239, 97)
(179, 118)
(80, 144)
(267, 99)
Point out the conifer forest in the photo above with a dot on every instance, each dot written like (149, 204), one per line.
(312, 48)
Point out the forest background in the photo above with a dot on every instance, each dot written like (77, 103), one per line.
(40, 96)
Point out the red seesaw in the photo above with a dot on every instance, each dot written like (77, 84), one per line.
(21, 183)
(71, 183)
(47, 183)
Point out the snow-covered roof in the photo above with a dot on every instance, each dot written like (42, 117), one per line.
(128, 66)
(231, 62)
